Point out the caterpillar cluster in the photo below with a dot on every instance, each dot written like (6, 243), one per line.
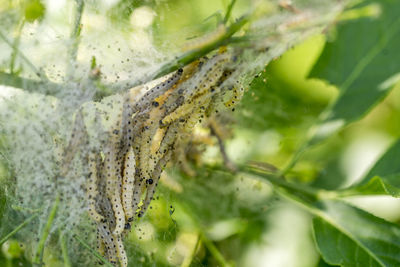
(132, 139)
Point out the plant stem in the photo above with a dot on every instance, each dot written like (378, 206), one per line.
(214, 251)
(95, 253)
(19, 227)
(46, 231)
(64, 250)
(75, 37)
(29, 85)
(229, 11)
(15, 45)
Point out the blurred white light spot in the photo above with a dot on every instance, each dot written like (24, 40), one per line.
(362, 154)
(390, 82)
(55, 6)
(268, 143)
(287, 243)
(142, 17)
(328, 128)
(382, 206)
(145, 231)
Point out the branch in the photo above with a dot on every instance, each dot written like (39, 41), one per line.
(29, 85)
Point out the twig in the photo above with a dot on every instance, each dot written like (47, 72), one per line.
(46, 231)
(19, 227)
(227, 161)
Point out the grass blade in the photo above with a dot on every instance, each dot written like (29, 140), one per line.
(93, 252)
(46, 231)
(19, 227)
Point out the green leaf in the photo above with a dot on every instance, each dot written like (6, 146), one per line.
(384, 176)
(348, 236)
(363, 62)
(34, 10)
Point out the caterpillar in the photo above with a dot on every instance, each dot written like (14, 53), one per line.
(144, 101)
(236, 96)
(214, 69)
(152, 182)
(185, 109)
(110, 247)
(113, 180)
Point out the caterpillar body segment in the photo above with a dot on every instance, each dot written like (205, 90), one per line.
(214, 70)
(121, 254)
(158, 90)
(107, 237)
(100, 244)
(113, 180)
(128, 180)
(237, 94)
(137, 192)
(153, 182)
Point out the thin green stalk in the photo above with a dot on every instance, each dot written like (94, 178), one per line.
(198, 53)
(15, 45)
(93, 252)
(19, 227)
(214, 251)
(64, 250)
(229, 11)
(75, 36)
(38, 72)
(38, 259)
